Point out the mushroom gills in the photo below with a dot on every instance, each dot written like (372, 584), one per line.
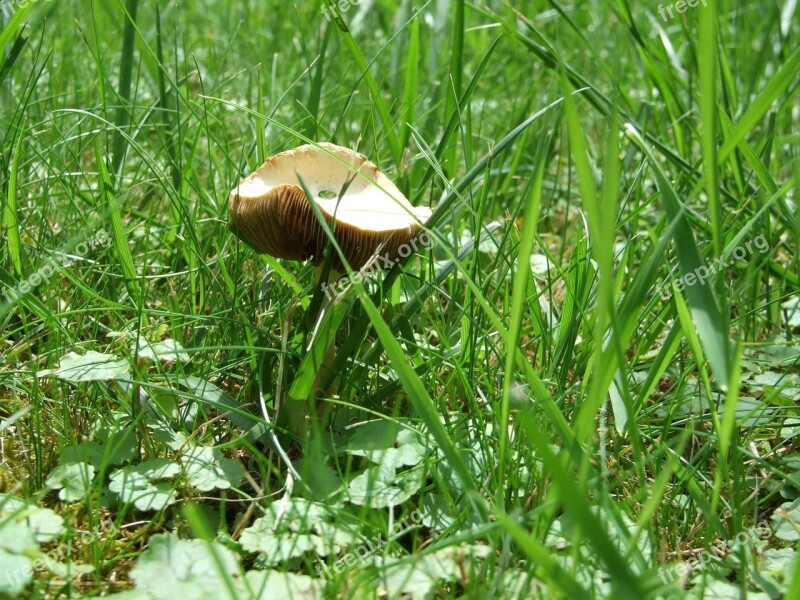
(270, 211)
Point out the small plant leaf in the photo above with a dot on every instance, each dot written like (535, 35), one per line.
(44, 523)
(92, 366)
(17, 572)
(207, 469)
(382, 486)
(174, 568)
(267, 585)
(294, 526)
(73, 480)
(280, 547)
(166, 351)
(16, 537)
(386, 443)
(786, 521)
(136, 484)
(419, 579)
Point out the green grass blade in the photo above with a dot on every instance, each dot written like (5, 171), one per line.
(372, 85)
(118, 233)
(707, 24)
(452, 82)
(122, 117)
(10, 210)
(411, 87)
(518, 301)
(421, 401)
(15, 23)
(786, 76)
(712, 325)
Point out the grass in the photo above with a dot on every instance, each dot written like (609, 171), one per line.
(538, 405)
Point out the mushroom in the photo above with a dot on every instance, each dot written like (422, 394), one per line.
(269, 209)
(368, 214)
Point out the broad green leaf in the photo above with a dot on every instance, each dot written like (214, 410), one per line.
(207, 469)
(173, 568)
(45, 524)
(139, 484)
(92, 366)
(174, 440)
(323, 480)
(167, 351)
(118, 445)
(778, 566)
(280, 547)
(90, 452)
(419, 577)
(294, 526)
(295, 514)
(387, 443)
(73, 480)
(269, 585)
(16, 572)
(381, 486)
(786, 521)
(438, 514)
(16, 537)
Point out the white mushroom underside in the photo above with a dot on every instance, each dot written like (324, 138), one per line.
(363, 209)
(370, 202)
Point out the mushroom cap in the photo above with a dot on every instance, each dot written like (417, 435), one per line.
(270, 211)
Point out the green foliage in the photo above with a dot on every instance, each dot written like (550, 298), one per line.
(72, 480)
(140, 484)
(92, 366)
(24, 528)
(208, 469)
(173, 567)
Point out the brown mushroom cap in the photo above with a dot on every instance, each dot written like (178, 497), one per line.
(270, 211)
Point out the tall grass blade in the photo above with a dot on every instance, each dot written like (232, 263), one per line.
(712, 325)
(10, 209)
(122, 117)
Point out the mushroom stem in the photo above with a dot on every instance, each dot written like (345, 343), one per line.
(323, 409)
(295, 408)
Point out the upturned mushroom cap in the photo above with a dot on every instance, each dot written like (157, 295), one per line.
(270, 211)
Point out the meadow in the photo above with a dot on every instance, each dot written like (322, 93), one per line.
(584, 384)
